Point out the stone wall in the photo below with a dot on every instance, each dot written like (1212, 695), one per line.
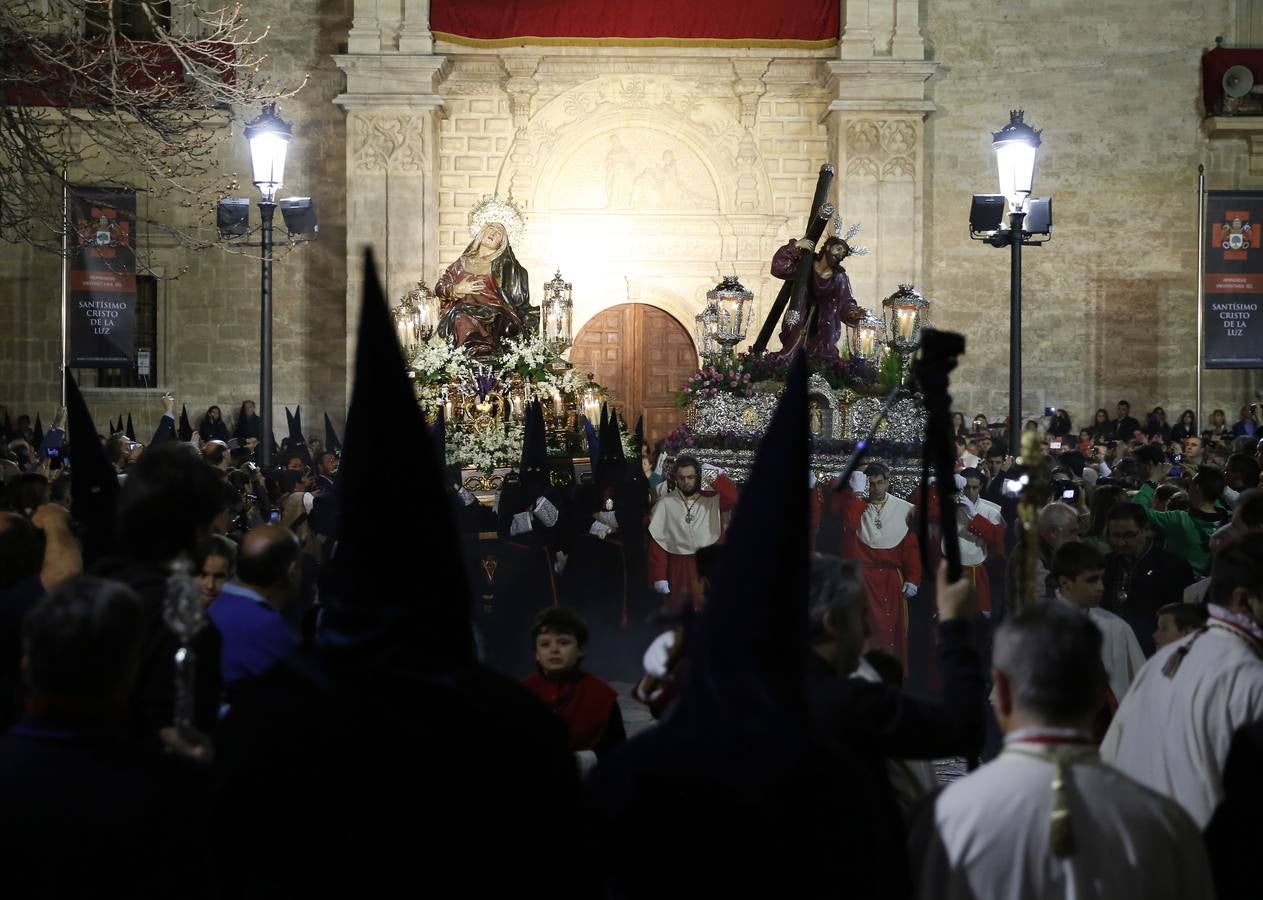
(1110, 303)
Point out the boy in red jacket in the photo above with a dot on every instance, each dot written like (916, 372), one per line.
(588, 705)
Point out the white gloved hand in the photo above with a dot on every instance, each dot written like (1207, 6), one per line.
(811, 479)
(710, 473)
(521, 524)
(609, 519)
(662, 587)
(960, 482)
(909, 589)
(600, 530)
(968, 505)
(559, 562)
(859, 482)
(545, 512)
(655, 660)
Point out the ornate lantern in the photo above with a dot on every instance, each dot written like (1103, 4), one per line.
(415, 318)
(269, 136)
(705, 329)
(867, 337)
(556, 314)
(733, 306)
(905, 315)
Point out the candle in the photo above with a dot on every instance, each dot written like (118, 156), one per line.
(592, 407)
(867, 337)
(907, 319)
(517, 404)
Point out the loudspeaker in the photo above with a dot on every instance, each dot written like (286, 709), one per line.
(1038, 215)
(299, 214)
(1238, 81)
(232, 216)
(986, 214)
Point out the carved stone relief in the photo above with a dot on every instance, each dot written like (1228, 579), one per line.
(394, 144)
(884, 149)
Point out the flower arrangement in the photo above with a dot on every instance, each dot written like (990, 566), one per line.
(726, 374)
(530, 357)
(485, 448)
(737, 375)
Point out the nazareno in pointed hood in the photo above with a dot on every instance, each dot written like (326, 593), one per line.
(185, 430)
(331, 437)
(533, 469)
(395, 583)
(37, 434)
(749, 660)
(297, 442)
(93, 479)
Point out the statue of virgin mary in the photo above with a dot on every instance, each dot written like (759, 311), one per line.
(486, 295)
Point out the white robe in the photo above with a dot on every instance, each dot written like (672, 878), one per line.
(987, 836)
(1172, 734)
(1120, 651)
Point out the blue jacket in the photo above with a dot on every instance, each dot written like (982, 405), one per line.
(255, 635)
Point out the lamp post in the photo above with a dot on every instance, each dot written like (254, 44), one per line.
(269, 138)
(1016, 146)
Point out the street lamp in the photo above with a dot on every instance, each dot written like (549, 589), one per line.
(1016, 147)
(269, 138)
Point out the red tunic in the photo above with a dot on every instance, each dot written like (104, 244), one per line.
(991, 536)
(679, 570)
(583, 700)
(884, 572)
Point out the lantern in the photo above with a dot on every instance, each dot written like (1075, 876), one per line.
(905, 315)
(1016, 146)
(269, 138)
(706, 329)
(866, 337)
(733, 306)
(556, 314)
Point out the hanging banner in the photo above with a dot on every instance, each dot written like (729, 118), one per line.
(1233, 279)
(102, 314)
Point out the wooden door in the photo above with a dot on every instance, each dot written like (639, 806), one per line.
(642, 356)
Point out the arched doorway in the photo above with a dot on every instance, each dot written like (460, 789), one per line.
(642, 356)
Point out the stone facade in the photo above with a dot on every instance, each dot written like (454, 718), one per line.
(647, 173)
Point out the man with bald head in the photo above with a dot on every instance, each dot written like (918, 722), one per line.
(249, 612)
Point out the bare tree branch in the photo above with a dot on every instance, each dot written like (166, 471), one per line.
(132, 93)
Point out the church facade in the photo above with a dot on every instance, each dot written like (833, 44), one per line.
(647, 172)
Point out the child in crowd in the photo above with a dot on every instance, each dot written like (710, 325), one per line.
(1177, 620)
(588, 705)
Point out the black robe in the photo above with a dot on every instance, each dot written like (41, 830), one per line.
(360, 773)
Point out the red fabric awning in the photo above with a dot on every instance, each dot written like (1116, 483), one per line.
(645, 23)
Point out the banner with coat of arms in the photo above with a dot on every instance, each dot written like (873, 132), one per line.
(102, 313)
(1233, 280)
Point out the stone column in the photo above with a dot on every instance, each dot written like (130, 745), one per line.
(877, 137)
(908, 42)
(415, 36)
(393, 113)
(857, 35)
(365, 35)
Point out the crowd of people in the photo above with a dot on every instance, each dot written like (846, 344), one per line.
(351, 723)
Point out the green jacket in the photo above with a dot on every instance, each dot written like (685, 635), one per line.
(1186, 533)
